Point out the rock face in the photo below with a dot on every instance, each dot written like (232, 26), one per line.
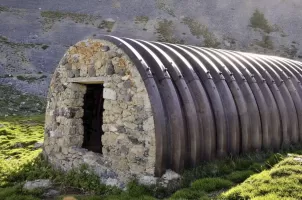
(128, 140)
(43, 31)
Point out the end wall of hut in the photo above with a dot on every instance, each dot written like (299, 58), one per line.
(128, 146)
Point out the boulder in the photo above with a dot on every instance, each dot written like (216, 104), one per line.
(40, 183)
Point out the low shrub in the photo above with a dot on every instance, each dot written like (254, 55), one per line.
(281, 182)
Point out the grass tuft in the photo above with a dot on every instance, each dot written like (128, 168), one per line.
(211, 184)
(274, 159)
(189, 194)
(239, 176)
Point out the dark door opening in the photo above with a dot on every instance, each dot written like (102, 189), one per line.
(93, 118)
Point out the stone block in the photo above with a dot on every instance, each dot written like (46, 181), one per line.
(148, 124)
(130, 125)
(109, 94)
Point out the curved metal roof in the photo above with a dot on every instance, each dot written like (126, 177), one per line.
(208, 103)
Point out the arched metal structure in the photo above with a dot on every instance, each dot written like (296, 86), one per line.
(219, 102)
(205, 103)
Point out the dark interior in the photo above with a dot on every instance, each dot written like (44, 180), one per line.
(93, 118)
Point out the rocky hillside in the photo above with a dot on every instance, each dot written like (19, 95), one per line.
(35, 34)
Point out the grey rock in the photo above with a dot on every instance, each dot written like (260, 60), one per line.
(170, 175)
(147, 180)
(105, 48)
(51, 193)
(40, 183)
(226, 43)
(110, 69)
(109, 94)
(112, 182)
(38, 145)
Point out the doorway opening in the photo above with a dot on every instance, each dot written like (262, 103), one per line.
(93, 118)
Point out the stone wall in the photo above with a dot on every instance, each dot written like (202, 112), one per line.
(128, 124)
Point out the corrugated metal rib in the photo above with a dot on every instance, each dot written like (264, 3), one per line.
(208, 103)
(176, 126)
(292, 128)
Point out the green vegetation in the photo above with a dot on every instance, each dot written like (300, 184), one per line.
(4, 9)
(17, 138)
(16, 45)
(29, 78)
(259, 21)
(290, 52)
(16, 193)
(189, 194)
(141, 20)
(3, 38)
(21, 160)
(161, 4)
(211, 184)
(19, 134)
(165, 30)
(283, 181)
(51, 17)
(107, 25)
(197, 29)
(239, 176)
(266, 42)
(14, 102)
(44, 47)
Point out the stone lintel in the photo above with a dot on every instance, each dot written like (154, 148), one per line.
(88, 80)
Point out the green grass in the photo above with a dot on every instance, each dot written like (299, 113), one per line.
(19, 162)
(16, 193)
(283, 181)
(17, 139)
(239, 176)
(189, 194)
(211, 184)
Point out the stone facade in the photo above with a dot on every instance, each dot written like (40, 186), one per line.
(128, 125)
